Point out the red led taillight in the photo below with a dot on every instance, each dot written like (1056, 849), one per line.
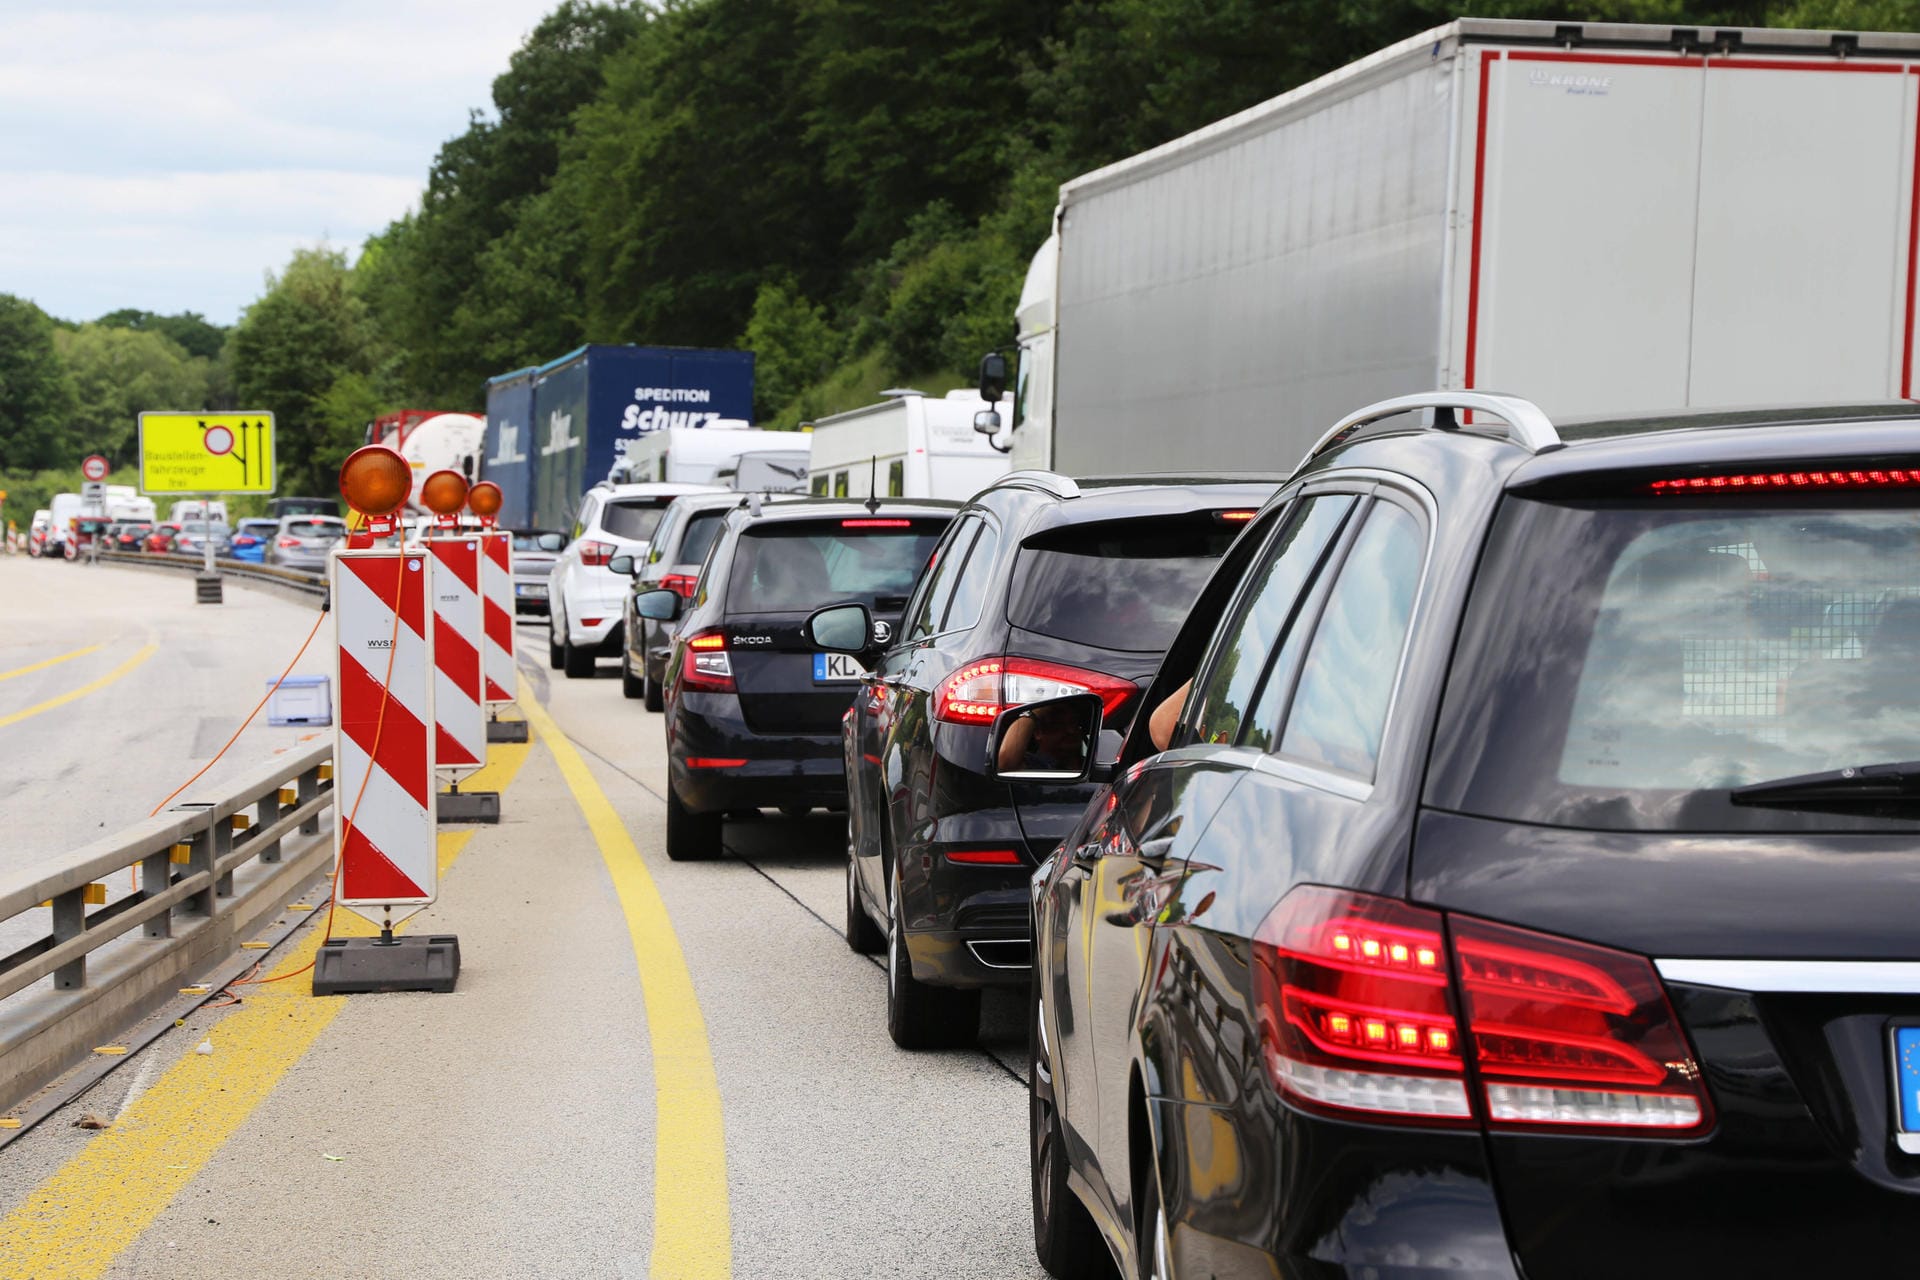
(1357, 1014)
(978, 692)
(707, 669)
(1235, 517)
(867, 523)
(684, 583)
(986, 857)
(596, 553)
(1802, 480)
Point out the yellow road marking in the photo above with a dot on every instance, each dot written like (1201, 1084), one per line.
(30, 668)
(91, 687)
(81, 1218)
(692, 1228)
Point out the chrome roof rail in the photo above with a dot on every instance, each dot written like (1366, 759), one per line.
(1046, 481)
(1527, 425)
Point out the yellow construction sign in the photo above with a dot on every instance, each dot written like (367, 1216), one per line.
(206, 452)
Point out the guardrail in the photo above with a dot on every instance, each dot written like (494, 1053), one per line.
(311, 584)
(212, 873)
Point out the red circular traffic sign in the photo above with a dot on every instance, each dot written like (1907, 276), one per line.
(94, 468)
(219, 441)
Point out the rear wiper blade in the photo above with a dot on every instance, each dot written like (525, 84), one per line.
(1861, 784)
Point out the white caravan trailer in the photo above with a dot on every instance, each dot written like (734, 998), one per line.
(691, 455)
(1605, 219)
(907, 446)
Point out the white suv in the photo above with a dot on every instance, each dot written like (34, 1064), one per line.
(584, 597)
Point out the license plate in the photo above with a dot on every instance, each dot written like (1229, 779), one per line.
(534, 589)
(838, 668)
(1906, 1079)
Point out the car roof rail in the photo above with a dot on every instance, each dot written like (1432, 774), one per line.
(1046, 481)
(1527, 424)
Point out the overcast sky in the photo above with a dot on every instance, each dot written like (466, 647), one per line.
(165, 154)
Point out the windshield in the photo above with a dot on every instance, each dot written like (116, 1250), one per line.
(634, 519)
(702, 528)
(794, 568)
(1624, 668)
(1123, 584)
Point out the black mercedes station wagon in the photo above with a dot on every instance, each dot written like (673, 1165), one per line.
(752, 712)
(1044, 586)
(1532, 887)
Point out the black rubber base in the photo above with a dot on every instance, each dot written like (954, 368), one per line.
(468, 806)
(507, 731)
(410, 962)
(206, 588)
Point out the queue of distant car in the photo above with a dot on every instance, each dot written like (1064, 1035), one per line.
(1474, 853)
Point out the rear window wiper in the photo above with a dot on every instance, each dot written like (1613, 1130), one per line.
(1868, 784)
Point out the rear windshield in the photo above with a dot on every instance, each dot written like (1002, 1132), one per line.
(702, 528)
(1122, 584)
(316, 529)
(633, 518)
(1624, 668)
(794, 568)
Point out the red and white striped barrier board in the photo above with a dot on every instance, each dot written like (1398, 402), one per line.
(459, 709)
(384, 834)
(496, 585)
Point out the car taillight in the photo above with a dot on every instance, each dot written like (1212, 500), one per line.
(866, 523)
(684, 583)
(595, 553)
(707, 668)
(1356, 1009)
(986, 857)
(978, 692)
(1791, 479)
(284, 543)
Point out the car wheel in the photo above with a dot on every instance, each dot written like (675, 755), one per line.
(691, 837)
(575, 661)
(862, 934)
(1156, 1255)
(629, 686)
(920, 1015)
(556, 656)
(1064, 1237)
(655, 698)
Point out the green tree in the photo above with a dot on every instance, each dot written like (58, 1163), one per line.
(36, 396)
(301, 338)
(117, 374)
(794, 345)
(190, 330)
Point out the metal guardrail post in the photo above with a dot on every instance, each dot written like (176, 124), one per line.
(156, 877)
(309, 788)
(200, 856)
(70, 921)
(265, 814)
(222, 846)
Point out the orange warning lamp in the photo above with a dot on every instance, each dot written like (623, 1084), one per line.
(444, 493)
(375, 481)
(484, 500)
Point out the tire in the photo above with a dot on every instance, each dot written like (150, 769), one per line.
(655, 698)
(1155, 1250)
(864, 937)
(920, 1015)
(796, 810)
(691, 837)
(575, 661)
(556, 656)
(1064, 1237)
(629, 687)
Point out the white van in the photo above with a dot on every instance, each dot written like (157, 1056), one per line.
(60, 515)
(910, 445)
(690, 455)
(198, 509)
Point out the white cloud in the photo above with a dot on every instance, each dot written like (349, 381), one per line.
(151, 154)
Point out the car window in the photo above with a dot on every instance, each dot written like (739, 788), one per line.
(1266, 617)
(936, 584)
(796, 567)
(632, 518)
(663, 535)
(1116, 584)
(316, 529)
(1339, 709)
(976, 576)
(702, 528)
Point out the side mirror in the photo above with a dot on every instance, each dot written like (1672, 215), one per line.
(621, 564)
(658, 606)
(987, 422)
(1051, 741)
(551, 542)
(993, 377)
(840, 628)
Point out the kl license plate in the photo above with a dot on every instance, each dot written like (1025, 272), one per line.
(838, 668)
(1906, 1079)
(531, 589)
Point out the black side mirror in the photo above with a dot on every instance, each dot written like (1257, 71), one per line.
(993, 377)
(621, 564)
(1051, 741)
(658, 606)
(840, 628)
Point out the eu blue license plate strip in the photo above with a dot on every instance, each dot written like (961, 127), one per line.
(836, 668)
(1906, 1071)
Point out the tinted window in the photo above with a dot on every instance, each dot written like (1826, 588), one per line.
(1340, 708)
(819, 486)
(1119, 584)
(799, 567)
(316, 529)
(936, 588)
(840, 484)
(1656, 657)
(1266, 616)
(976, 575)
(702, 529)
(896, 479)
(634, 519)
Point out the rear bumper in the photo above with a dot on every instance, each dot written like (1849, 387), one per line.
(776, 769)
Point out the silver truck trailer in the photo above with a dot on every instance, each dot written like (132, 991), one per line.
(1603, 219)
